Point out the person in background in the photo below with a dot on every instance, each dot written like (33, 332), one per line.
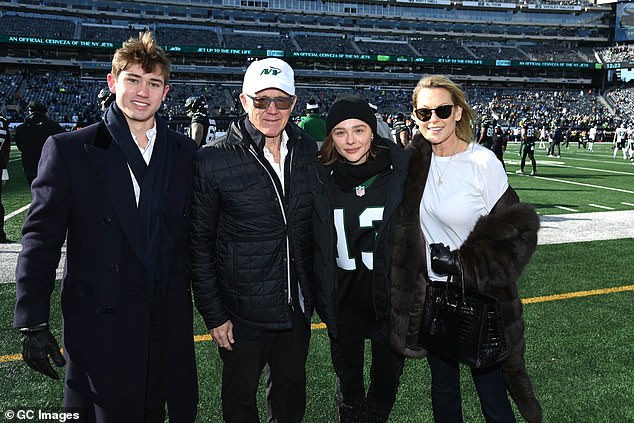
(251, 247)
(402, 134)
(458, 202)
(314, 123)
(5, 148)
(630, 142)
(529, 138)
(619, 140)
(592, 136)
(557, 139)
(568, 133)
(361, 185)
(118, 193)
(397, 124)
(500, 141)
(487, 131)
(105, 98)
(31, 135)
(196, 109)
(582, 140)
(382, 128)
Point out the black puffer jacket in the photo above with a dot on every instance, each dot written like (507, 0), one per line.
(247, 238)
(326, 240)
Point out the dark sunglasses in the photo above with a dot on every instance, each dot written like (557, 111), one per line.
(443, 112)
(281, 103)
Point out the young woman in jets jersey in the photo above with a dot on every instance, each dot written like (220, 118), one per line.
(360, 187)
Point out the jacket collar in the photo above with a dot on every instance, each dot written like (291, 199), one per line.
(242, 131)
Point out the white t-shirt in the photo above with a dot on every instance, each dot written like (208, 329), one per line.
(472, 182)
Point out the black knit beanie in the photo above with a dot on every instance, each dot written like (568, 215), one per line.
(350, 107)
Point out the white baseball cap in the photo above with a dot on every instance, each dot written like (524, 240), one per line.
(269, 73)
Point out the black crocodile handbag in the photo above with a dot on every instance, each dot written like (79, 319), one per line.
(462, 324)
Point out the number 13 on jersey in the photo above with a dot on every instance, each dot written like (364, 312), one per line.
(366, 220)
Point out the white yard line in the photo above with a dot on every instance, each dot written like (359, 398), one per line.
(574, 183)
(16, 212)
(618, 172)
(566, 208)
(600, 206)
(561, 164)
(604, 160)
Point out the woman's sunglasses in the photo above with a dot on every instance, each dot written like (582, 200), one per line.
(281, 103)
(443, 112)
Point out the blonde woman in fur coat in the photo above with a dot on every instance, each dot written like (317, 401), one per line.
(457, 201)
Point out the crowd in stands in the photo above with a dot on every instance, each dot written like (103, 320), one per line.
(72, 100)
(571, 108)
(618, 53)
(332, 43)
(438, 48)
(399, 48)
(509, 53)
(108, 32)
(22, 26)
(181, 35)
(254, 36)
(256, 40)
(554, 53)
(623, 100)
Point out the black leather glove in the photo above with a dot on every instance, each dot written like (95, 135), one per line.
(443, 260)
(37, 344)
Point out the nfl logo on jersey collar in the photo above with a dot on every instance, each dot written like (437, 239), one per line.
(360, 190)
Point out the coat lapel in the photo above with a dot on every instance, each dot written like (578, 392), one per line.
(111, 166)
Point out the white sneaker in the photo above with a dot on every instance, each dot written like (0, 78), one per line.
(519, 171)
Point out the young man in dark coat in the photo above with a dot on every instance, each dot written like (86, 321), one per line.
(251, 247)
(118, 192)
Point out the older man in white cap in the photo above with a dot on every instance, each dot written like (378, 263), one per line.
(251, 247)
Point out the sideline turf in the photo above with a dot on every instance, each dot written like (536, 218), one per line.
(578, 349)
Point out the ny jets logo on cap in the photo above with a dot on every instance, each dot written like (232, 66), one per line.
(271, 71)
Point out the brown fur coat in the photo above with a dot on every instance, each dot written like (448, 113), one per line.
(494, 254)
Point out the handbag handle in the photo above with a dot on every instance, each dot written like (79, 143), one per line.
(451, 277)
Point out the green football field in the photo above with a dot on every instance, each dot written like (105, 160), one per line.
(579, 307)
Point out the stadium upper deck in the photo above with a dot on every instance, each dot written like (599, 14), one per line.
(235, 23)
(482, 41)
(362, 43)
